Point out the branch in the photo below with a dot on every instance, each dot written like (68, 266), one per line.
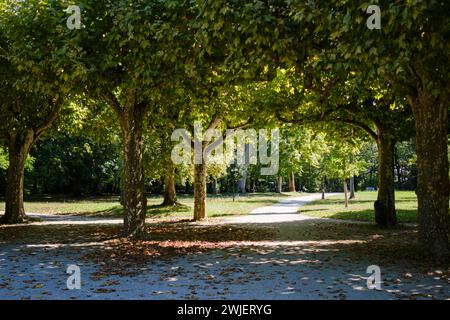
(361, 125)
(241, 126)
(314, 118)
(214, 121)
(50, 119)
(322, 118)
(111, 99)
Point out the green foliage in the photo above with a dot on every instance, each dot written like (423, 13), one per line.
(3, 159)
(75, 165)
(260, 62)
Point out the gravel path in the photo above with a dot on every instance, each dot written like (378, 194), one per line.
(293, 265)
(283, 211)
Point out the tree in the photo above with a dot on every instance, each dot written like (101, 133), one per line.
(30, 102)
(123, 55)
(410, 52)
(367, 106)
(387, 121)
(342, 162)
(24, 119)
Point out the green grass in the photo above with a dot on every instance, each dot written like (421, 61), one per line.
(217, 205)
(361, 208)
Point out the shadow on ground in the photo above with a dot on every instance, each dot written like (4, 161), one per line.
(301, 259)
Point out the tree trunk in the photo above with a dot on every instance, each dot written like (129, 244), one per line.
(280, 184)
(292, 182)
(134, 195)
(199, 192)
(345, 193)
(18, 148)
(324, 180)
(385, 214)
(352, 187)
(433, 186)
(242, 184)
(215, 186)
(170, 193)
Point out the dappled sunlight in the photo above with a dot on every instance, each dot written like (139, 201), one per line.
(53, 246)
(361, 208)
(314, 257)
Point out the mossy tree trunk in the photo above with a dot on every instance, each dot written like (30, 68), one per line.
(385, 213)
(352, 187)
(345, 193)
(170, 193)
(18, 147)
(280, 184)
(291, 181)
(431, 115)
(199, 192)
(19, 144)
(134, 195)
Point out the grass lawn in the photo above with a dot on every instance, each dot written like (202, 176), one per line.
(217, 205)
(361, 208)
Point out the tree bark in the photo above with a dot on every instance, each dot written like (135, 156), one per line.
(170, 193)
(345, 193)
(292, 182)
(18, 148)
(324, 180)
(385, 214)
(215, 186)
(352, 187)
(200, 171)
(135, 199)
(280, 184)
(242, 184)
(199, 192)
(431, 116)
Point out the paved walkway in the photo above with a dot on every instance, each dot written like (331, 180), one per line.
(283, 211)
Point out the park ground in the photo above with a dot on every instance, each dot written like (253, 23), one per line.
(261, 246)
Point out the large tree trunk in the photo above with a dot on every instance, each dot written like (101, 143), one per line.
(170, 194)
(18, 148)
(199, 192)
(134, 195)
(292, 181)
(385, 214)
(431, 116)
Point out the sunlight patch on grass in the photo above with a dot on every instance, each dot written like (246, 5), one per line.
(361, 208)
(217, 205)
